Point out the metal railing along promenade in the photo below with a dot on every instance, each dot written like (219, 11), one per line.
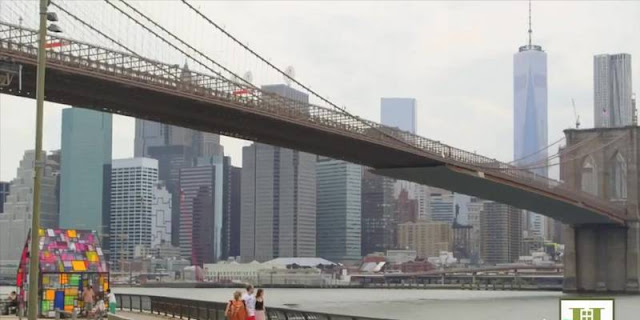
(208, 310)
(21, 44)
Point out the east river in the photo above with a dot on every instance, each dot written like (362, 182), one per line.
(405, 303)
(409, 303)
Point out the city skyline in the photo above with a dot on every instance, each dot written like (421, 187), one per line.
(570, 75)
(484, 146)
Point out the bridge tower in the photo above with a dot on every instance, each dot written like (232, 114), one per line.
(603, 257)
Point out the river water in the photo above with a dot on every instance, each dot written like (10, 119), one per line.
(407, 303)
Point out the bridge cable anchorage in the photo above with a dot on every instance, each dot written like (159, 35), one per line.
(579, 156)
(549, 158)
(161, 66)
(178, 39)
(575, 157)
(536, 152)
(557, 154)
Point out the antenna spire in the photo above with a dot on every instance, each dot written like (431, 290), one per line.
(530, 31)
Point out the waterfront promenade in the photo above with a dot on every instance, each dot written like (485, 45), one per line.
(150, 307)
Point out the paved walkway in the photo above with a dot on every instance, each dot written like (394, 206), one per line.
(126, 314)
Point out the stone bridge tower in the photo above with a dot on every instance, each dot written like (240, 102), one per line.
(603, 162)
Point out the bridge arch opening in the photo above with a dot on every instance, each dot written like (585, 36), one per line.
(589, 176)
(618, 177)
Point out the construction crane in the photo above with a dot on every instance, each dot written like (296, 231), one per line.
(575, 114)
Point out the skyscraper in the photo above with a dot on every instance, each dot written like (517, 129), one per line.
(278, 210)
(417, 194)
(201, 211)
(501, 233)
(405, 209)
(399, 113)
(172, 158)
(612, 91)
(231, 220)
(15, 222)
(530, 117)
(85, 170)
(133, 182)
(442, 206)
(475, 207)
(427, 238)
(339, 185)
(160, 215)
(378, 221)
(4, 192)
(278, 203)
(148, 134)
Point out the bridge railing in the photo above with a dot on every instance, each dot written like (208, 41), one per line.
(209, 310)
(112, 63)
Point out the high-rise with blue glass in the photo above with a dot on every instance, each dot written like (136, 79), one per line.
(530, 118)
(399, 113)
(85, 170)
(338, 227)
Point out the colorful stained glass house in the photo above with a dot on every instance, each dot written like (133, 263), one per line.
(70, 261)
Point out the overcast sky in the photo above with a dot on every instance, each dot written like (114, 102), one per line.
(455, 58)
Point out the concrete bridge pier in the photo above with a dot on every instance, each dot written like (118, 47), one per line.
(602, 258)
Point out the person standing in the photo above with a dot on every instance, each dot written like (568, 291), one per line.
(250, 303)
(236, 309)
(12, 303)
(261, 311)
(88, 297)
(113, 302)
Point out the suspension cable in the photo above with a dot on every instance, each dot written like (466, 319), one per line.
(95, 29)
(230, 72)
(559, 153)
(178, 39)
(110, 38)
(317, 95)
(573, 158)
(538, 151)
(340, 109)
